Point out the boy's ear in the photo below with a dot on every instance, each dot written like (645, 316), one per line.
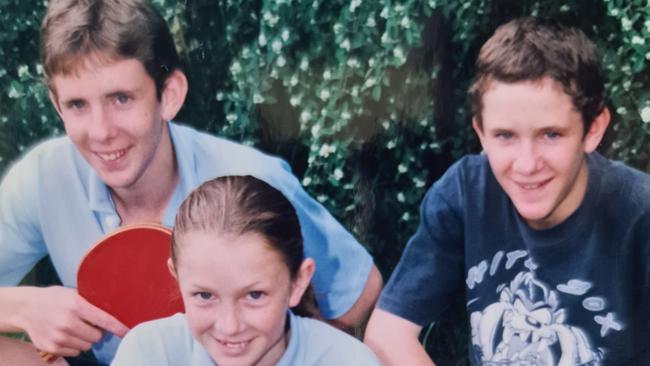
(173, 94)
(596, 130)
(55, 101)
(302, 280)
(478, 130)
(171, 267)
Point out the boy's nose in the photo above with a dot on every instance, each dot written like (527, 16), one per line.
(527, 160)
(101, 127)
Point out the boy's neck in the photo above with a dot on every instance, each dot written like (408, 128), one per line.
(148, 198)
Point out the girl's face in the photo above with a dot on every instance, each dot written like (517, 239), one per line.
(236, 291)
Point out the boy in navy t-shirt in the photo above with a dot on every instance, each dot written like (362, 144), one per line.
(547, 241)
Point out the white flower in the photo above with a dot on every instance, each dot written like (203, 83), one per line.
(419, 183)
(384, 13)
(23, 70)
(647, 25)
(306, 181)
(621, 110)
(645, 114)
(353, 63)
(400, 197)
(276, 46)
(371, 22)
(370, 82)
(402, 168)
(399, 54)
(338, 174)
(614, 12)
(235, 68)
(294, 80)
(406, 22)
(345, 44)
(638, 40)
(385, 125)
(346, 115)
(321, 198)
(314, 131)
(231, 117)
(324, 95)
(626, 23)
(281, 61)
(391, 145)
(327, 75)
(258, 98)
(305, 116)
(295, 100)
(285, 35)
(406, 216)
(220, 96)
(354, 4)
(385, 38)
(304, 64)
(326, 150)
(261, 39)
(13, 93)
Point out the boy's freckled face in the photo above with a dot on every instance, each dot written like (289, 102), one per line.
(236, 292)
(533, 138)
(112, 115)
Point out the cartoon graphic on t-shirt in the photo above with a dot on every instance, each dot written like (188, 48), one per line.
(527, 325)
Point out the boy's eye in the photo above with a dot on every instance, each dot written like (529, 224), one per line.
(122, 99)
(551, 135)
(503, 135)
(255, 295)
(202, 295)
(75, 104)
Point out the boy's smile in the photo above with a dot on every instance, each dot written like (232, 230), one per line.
(534, 141)
(111, 113)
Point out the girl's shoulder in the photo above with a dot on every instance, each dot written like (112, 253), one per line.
(322, 344)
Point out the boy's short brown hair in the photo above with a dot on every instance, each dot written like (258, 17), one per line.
(73, 30)
(529, 49)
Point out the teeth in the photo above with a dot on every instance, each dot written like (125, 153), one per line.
(112, 156)
(531, 186)
(235, 345)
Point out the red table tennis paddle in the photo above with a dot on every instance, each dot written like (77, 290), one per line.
(126, 275)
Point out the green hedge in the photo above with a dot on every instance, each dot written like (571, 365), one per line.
(365, 99)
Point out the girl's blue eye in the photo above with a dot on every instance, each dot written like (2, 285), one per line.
(203, 295)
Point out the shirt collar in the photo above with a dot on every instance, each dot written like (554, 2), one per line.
(99, 195)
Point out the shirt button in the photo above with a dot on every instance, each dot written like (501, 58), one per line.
(111, 222)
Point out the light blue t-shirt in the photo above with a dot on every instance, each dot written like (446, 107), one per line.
(52, 202)
(168, 341)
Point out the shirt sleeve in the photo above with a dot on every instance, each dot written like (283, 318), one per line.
(21, 242)
(135, 350)
(429, 275)
(342, 263)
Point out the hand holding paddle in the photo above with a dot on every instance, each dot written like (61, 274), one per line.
(58, 320)
(125, 280)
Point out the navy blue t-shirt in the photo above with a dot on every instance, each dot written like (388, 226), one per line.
(577, 293)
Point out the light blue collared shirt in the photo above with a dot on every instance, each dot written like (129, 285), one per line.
(52, 202)
(168, 341)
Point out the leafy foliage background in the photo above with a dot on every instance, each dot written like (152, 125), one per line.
(365, 99)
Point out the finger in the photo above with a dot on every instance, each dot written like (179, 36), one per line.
(98, 317)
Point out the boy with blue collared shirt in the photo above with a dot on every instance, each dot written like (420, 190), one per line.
(114, 78)
(546, 240)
